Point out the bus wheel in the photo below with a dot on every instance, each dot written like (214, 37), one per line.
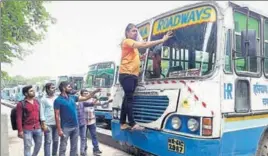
(263, 146)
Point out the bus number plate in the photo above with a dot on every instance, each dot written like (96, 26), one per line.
(176, 145)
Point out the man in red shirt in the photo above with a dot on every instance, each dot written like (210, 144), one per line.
(28, 122)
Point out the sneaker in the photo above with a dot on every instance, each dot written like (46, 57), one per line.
(97, 152)
(124, 126)
(83, 154)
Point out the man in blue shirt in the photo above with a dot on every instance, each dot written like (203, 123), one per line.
(66, 117)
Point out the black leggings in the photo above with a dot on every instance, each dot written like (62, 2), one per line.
(129, 84)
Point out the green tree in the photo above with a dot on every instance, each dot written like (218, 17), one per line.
(5, 79)
(24, 23)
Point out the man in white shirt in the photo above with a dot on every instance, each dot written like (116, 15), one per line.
(48, 120)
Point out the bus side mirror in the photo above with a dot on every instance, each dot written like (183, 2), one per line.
(248, 41)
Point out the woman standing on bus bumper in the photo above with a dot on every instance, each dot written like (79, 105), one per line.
(129, 70)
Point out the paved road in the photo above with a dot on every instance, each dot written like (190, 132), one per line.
(16, 144)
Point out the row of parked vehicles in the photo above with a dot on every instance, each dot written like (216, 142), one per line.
(210, 97)
(99, 75)
(15, 93)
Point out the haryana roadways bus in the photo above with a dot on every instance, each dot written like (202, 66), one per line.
(212, 95)
(102, 75)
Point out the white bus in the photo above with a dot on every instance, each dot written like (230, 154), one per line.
(211, 97)
(102, 75)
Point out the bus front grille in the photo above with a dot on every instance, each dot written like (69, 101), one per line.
(147, 109)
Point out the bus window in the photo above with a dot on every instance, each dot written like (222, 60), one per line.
(242, 96)
(89, 80)
(99, 82)
(243, 63)
(266, 47)
(228, 61)
(77, 83)
(189, 52)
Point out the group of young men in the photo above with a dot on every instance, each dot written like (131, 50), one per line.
(64, 116)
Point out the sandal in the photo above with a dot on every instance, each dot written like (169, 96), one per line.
(137, 127)
(124, 126)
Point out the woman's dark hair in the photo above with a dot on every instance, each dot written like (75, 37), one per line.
(26, 89)
(47, 86)
(83, 91)
(62, 85)
(129, 26)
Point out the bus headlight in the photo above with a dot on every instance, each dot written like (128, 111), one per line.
(192, 124)
(176, 122)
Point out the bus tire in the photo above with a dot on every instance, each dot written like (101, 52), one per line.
(263, 146)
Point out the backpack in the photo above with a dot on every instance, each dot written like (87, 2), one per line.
(13, 115)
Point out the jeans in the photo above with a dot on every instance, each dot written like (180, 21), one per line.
(129, 84)
(71, 132)
(30, 135)
(49, 136)
(83, 139)
(93, 132)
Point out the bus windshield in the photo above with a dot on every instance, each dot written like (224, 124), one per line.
(104, 76)
(191, 50)
(90, 76)
(101, 75)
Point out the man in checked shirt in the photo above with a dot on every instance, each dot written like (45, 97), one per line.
(87, 122)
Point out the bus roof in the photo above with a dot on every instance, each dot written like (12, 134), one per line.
(144, 22)
(221, 4)
(76, 75)
(102, 62)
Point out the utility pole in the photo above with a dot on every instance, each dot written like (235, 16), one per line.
(1, 46)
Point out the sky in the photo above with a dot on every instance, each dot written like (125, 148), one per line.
(88, 32)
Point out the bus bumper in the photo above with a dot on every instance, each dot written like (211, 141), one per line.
(162, 143)
(104, 114)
